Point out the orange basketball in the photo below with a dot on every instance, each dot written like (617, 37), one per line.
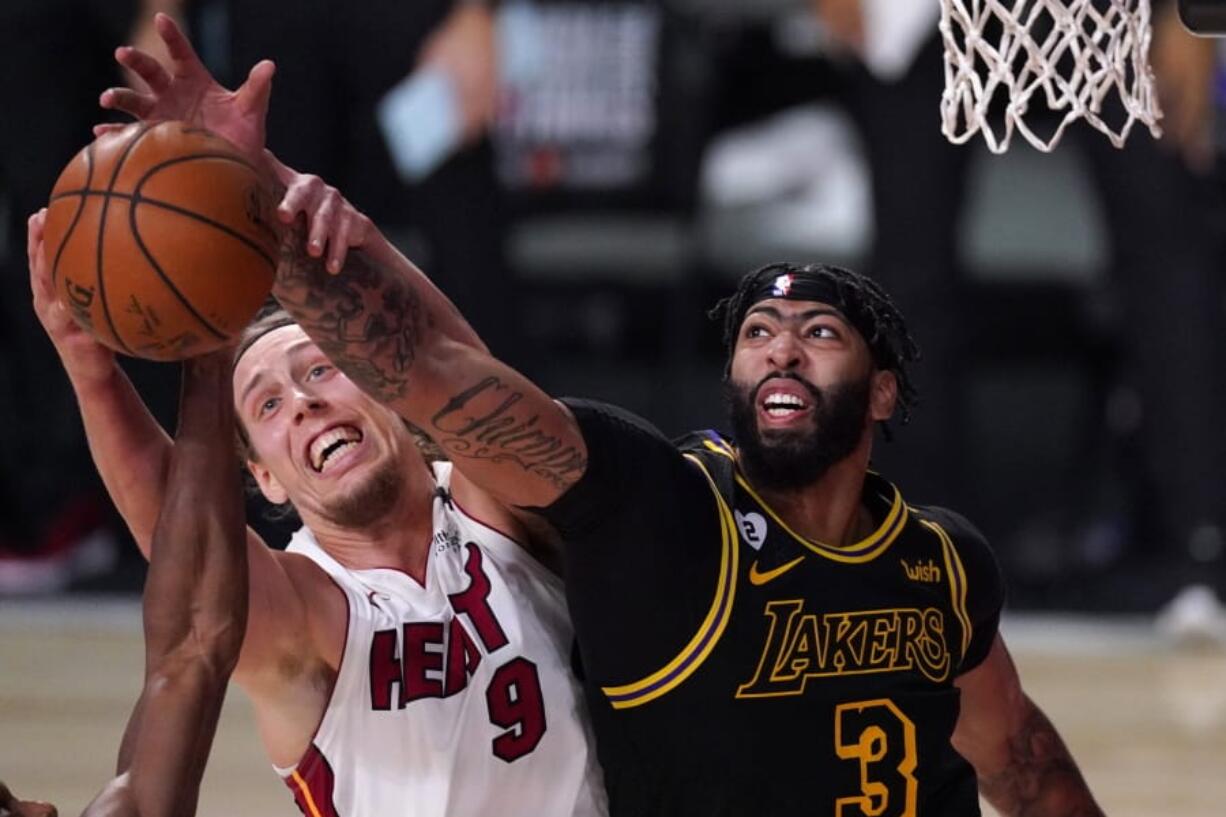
(161, 240)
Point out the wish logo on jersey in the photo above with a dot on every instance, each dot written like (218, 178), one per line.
(801, 645)
(922, 571)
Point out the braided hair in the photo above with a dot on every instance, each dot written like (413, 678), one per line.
(862, 301)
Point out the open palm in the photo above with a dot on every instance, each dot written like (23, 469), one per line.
(186, 91)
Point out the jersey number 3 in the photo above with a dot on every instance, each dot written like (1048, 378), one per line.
(878, 735)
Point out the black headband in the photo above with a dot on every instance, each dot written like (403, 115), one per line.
(807, 285)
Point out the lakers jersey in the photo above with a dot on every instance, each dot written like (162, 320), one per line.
(454, 697)
(772, 674)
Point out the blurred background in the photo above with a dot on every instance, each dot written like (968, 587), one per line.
(585, 179)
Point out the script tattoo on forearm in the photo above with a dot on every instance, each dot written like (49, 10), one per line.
(1042, 779)
(497, 432)
(368, 320)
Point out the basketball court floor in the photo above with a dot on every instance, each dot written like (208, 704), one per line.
(1145, 718)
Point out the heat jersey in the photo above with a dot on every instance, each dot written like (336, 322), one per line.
(454, 698)
(735, 667)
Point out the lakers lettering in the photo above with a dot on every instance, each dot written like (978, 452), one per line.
(801, 645)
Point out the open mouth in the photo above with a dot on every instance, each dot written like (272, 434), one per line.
(331, 445)
(784, 400)
(782, 406)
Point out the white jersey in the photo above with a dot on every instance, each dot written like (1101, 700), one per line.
(455, 698)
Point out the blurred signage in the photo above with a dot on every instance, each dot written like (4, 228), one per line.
(578, 107)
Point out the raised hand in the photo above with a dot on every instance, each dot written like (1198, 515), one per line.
(333, 224)
(186, 91)
(86, 360)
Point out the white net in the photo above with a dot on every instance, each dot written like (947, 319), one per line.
(1054, 61)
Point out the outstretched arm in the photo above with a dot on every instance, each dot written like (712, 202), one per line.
(129, 447)
(195, 608)
(379, 318)
(133, 455)
(1024, 768)
(383, 322)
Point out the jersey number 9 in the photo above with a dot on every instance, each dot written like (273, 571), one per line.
(515, 704)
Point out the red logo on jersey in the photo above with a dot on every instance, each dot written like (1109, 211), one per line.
(474, 602)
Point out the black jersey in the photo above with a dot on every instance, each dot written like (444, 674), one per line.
(734, 667)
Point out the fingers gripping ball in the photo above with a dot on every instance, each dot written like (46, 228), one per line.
(161, 240)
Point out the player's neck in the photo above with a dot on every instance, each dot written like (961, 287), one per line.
(830, 510)
(400, 540)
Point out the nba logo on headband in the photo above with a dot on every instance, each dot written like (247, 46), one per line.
(783, 285)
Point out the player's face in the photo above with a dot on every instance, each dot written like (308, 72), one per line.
(802, 391)
(319, 441)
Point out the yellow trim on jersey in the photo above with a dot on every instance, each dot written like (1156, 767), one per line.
(957, 582)
(721, 448)
(696, 651)
(865, 550)
(306, 793)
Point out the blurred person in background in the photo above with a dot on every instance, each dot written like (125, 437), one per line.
(1157, 200)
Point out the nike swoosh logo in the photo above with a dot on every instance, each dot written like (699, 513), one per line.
(758, 578)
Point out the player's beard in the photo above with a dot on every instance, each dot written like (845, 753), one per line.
(786, 459)
(368, 503)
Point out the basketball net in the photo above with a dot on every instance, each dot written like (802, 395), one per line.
(1078, 53)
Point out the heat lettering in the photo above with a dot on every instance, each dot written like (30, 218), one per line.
(420, 660)
(463, 657)
(384, 669)
(434, 659)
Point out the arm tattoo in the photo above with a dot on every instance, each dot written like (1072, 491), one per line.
(368, 320)
(494, 431)
(1041, 780)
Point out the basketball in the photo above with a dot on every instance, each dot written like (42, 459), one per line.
(161, 240)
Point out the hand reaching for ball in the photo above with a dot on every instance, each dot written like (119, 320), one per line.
(332, 223)
(85, 359)
(186, 91)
